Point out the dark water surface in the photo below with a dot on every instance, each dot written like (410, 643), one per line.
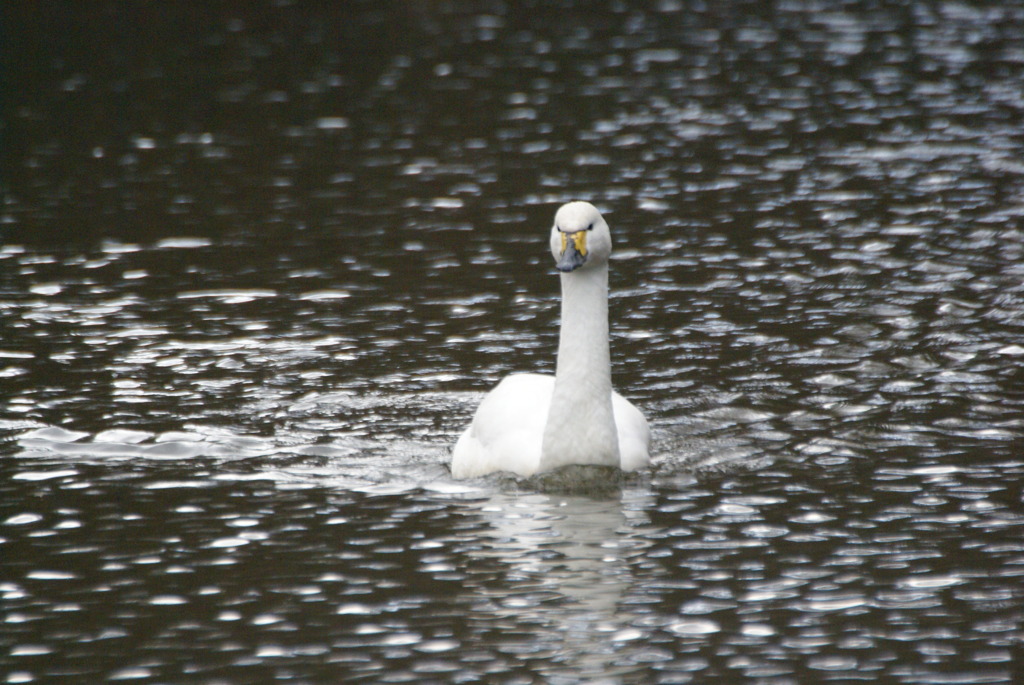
(258, 262)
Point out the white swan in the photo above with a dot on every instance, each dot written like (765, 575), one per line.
(530, 423)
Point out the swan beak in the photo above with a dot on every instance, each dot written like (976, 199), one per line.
(574, 251)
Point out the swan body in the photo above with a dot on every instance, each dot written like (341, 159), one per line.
(531, 423)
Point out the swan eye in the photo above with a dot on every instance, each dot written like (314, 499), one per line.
(590, 227)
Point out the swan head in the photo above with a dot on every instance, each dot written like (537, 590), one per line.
(580, 237)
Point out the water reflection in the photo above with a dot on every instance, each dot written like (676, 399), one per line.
(274, 565)
(571, 562)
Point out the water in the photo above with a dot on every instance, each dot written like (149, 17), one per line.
(257, 266)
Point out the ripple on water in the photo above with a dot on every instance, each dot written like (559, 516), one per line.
(227, 414)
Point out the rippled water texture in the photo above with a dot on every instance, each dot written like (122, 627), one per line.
(259, 262)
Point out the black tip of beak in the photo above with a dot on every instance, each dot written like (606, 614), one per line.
(571, 259)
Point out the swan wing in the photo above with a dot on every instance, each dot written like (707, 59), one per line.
(507, 430)
(634, 434)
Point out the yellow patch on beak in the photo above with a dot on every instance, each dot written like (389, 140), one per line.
(579, 239)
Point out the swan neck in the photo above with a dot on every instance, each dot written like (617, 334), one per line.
(580, 428)
(583, 350)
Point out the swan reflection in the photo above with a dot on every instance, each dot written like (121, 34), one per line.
(569, 565)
